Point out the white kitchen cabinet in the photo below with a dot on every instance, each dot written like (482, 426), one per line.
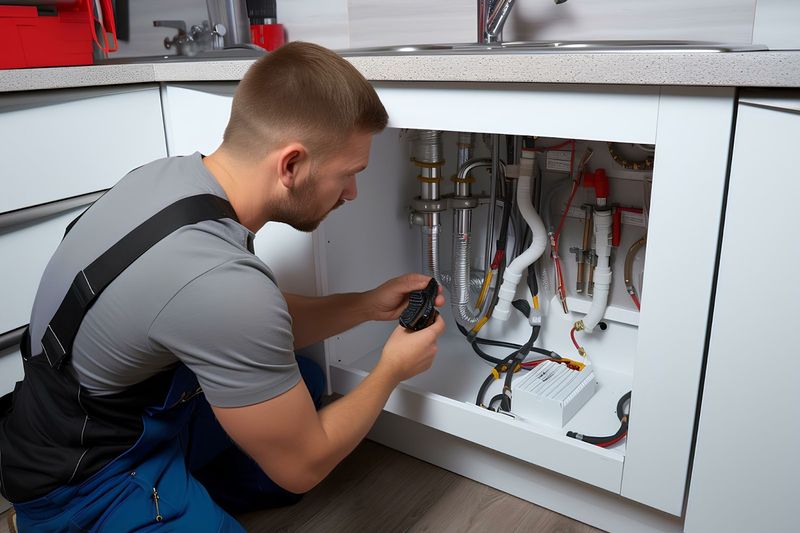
(58, 144)
(658, 355)
(745, 473)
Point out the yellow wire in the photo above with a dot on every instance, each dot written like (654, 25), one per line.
(485, 289)
(536, 302)
(580, 365)
(480, 324)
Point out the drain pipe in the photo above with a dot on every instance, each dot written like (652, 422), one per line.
(515, 270)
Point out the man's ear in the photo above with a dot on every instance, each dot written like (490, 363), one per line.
(292, 161)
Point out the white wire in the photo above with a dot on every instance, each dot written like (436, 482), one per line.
(645, 196)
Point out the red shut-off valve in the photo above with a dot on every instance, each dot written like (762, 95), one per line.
(598, 180)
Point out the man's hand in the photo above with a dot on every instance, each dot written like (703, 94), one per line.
(408, 353)
(388, 301)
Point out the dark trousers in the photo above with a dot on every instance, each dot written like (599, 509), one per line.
(231, 477)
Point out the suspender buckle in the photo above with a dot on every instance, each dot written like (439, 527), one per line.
(82, 289)
(52, 348)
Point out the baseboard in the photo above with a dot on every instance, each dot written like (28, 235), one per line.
(563, 495)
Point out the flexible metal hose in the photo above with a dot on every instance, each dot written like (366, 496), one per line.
(460, 292)
(428, 146)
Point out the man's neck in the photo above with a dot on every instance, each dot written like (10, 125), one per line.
(236, 183)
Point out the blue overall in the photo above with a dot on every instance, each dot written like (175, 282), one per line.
(182, 474)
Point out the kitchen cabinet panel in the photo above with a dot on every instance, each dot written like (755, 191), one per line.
(746, 471)
(693, 141)
(59, 144)
(26, 249)
(10, 373)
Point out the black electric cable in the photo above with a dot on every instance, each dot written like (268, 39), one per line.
(624, 418)
(523, 307)
(501, 344)
(495, 374)
(501, 244)
(509, 365)
(510, 149)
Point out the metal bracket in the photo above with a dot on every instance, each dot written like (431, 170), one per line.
(428, 206)
(446, 202)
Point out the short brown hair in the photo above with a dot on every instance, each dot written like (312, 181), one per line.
(302, 92)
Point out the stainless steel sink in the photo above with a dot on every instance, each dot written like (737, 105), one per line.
(549, 47)
(511, 47)
(228, 54)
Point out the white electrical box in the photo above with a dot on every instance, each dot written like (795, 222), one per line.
(553, 393)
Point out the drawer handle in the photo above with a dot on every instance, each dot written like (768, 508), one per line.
(36, 212)
(11, 339)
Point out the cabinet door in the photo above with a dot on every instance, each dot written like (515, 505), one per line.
(26, 249)
(746, 468)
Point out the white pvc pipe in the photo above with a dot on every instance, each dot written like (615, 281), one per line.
(515, 270)
(602, 272)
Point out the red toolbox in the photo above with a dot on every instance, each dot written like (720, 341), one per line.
(61, 34)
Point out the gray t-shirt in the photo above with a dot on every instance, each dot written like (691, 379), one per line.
(198, 296)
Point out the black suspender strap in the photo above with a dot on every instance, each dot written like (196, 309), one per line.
(90, 282)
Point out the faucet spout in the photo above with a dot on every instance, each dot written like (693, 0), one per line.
(492, 16)
(497, 19)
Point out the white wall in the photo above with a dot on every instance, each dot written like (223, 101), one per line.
(358, 23)
(701, 20)
(777, 24)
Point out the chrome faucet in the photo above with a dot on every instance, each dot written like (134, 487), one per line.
(492, 16)
(189, 43)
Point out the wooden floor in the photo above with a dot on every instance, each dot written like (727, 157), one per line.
(379, 489)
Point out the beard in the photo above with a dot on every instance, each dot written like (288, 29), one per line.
(299, 211)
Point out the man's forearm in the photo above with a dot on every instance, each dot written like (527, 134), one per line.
(347, 420)
(316, 318)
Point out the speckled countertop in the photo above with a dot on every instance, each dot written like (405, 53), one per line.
(741, 69)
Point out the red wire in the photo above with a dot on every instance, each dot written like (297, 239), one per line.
(575, 186)
(575, 342)
(636, 302)
(559, 278)
(555, 147)
(609, 443)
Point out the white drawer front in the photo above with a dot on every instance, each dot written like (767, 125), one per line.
(10, 373)
(25, 251)
(58, 144)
